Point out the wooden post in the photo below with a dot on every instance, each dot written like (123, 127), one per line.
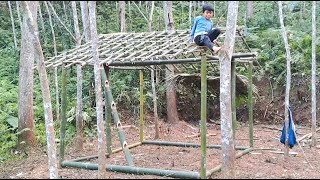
(250, 104)
(63, 113)
(203, 115)
(141, 107)
(233, 97)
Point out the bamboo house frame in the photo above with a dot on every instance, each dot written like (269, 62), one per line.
(125, 50)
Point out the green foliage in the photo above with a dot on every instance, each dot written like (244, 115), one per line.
(263, 34)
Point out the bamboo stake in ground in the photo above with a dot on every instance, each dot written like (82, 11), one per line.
(250, 104)
(233, 97)
(63, 114)
(203, 115)
(107, 112)
(118, 124)
(141, 107)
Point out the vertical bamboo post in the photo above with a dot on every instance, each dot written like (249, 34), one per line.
(63, 113)
(117, 122)
(233, 97)
(104, 76)
(203, 115)
(141, 107)
(250, 104)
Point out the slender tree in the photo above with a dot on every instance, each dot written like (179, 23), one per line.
(172, 113)
(79, 117)
(122, 16)
(55, 68)
(288, 85)
(249, 10)
(27, 57)
(314, 74)
(51, 147)
(85, 20)
(18, 11)
(225, 55)
(99, 104)
(13, 27)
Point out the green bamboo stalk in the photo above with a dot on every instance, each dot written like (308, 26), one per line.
(250, 104)
(107, 113)
(233, 97)
(187, 145)
(63, 113)
(117, 122)
(141, 107)
(135, 170)
(203, 115)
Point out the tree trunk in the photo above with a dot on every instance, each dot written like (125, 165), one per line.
(85, 20)
(190, 12)
(41, 19)
(249, 10)
(18, 11)
(225, 55)
(51, 148)
(99, 104)
(172, 113)
(122, 16)
(65, 11)
(25, 110)
(287, 96)
(79, 118)
(13, 28)
(314, 74)
(153, 85)
(55, 69)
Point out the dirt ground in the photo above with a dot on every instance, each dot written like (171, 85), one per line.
(257, 164)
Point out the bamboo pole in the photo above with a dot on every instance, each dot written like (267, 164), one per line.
(107, 154)
(116, 119)
(250, 105)
(187, 145)
(135, 170)
(233, 98)
(63, 114)
(203, 115)
(218, 168)
(107, 114)
(141, 107)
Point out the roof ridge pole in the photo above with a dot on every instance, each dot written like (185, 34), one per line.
(203, 114)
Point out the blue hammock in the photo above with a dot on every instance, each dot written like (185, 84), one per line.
(292, 136)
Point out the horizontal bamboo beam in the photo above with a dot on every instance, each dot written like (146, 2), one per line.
(135, 170)
(113, 151)
(218, 168)
(187, 145)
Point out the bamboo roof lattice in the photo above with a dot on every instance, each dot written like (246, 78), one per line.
(139, 49)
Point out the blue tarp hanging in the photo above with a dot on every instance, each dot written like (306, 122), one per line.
(292, 136)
